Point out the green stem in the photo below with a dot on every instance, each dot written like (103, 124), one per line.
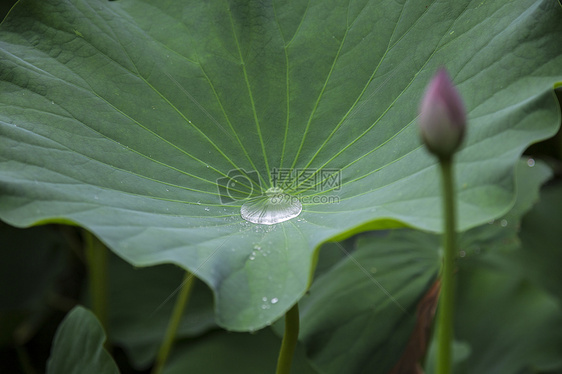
(174, 323)
(447, 298)
(96, 253)
(289, 340)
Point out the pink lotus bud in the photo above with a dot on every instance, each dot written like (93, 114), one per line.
(442, 117)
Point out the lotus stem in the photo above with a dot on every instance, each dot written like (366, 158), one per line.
(290, 339)
(173, 324)
(96, 254)
(447, 299)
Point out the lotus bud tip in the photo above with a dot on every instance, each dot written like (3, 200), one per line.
(442, 119)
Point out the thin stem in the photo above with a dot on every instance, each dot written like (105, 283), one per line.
(289, 340)
(96, 254)
(446, 303)
(174, 323)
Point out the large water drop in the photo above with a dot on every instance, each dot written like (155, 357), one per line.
(274, 207)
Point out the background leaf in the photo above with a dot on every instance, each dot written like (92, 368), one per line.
(32, 271)
(239, 354)
(541, 237)
(78, 346)
(29, 267)
(126, 117)
(511, 290)
(525, 320)
(140, 305)
(359, 315)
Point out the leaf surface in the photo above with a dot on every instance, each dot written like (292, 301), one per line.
(78, 346)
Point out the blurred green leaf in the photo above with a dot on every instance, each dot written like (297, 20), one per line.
(140, 304)
(358, 317)
(233, 353)
(78, 346)
(541, 236)
(350, 319)
(30, 261)
(511, 325)
(508, 309)
(33, 263)
(461, 350)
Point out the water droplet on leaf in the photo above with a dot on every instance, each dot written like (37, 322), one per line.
(273, 207)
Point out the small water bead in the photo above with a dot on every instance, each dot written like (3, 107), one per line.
(207, 209)
(274, 207)
(274, 300)
(531, 162)
(503, 223)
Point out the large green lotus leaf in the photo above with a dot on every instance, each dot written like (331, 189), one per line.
(78, 346)
(126, 117)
